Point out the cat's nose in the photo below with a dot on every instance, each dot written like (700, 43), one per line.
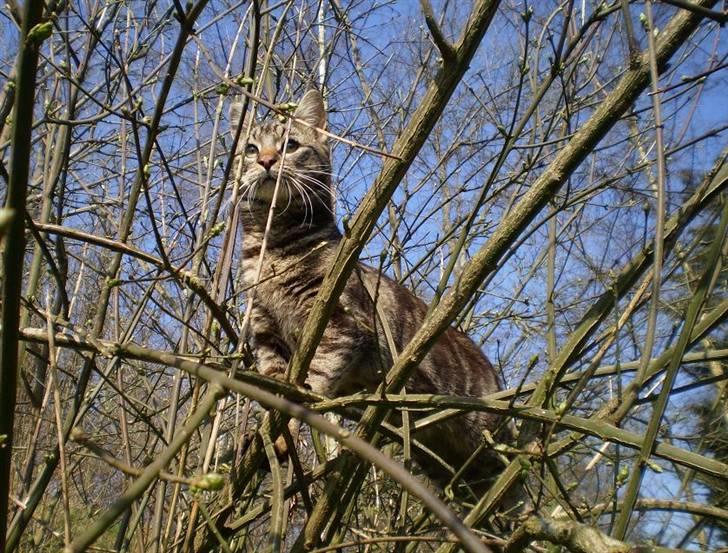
(267, 159)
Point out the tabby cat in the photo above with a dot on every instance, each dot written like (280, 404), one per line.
(354, 353)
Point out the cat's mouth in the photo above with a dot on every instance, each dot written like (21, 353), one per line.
(262, 189)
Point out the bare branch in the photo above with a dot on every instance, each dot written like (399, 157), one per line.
(447, 51)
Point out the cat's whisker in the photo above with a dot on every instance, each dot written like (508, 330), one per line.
(309, 189)
(288, 193)
(291, 185)
(303, 192)
(308, 203)
(319, 173)
(253, 193)
(314, 184)
(314, 181)
(323, 169)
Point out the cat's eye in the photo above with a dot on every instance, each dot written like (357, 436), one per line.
(292, 146)
(251, 150)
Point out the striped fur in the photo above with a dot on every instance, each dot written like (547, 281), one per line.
(353, 354)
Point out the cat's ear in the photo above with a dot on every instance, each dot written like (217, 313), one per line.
(234, 116)
(311, 109)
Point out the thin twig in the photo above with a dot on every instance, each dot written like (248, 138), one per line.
(636, 478)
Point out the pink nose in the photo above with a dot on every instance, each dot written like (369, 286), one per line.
(267, 159)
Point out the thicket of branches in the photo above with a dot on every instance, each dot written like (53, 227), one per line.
(549, 176)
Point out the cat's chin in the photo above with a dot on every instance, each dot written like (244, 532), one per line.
(265, 189)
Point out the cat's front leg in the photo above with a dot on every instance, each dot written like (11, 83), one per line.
(270, 351)
(271, 358)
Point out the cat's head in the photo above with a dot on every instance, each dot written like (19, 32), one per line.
(303, 161)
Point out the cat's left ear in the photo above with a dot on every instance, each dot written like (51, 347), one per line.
(235, 115)
(311, 109)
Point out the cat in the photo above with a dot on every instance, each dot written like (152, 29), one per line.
(354, 353)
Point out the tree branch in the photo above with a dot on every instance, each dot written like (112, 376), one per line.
(720, 17)
(12, 263)
(447, 51)
(576, 537)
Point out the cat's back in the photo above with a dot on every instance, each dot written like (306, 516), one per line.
(454, 365)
